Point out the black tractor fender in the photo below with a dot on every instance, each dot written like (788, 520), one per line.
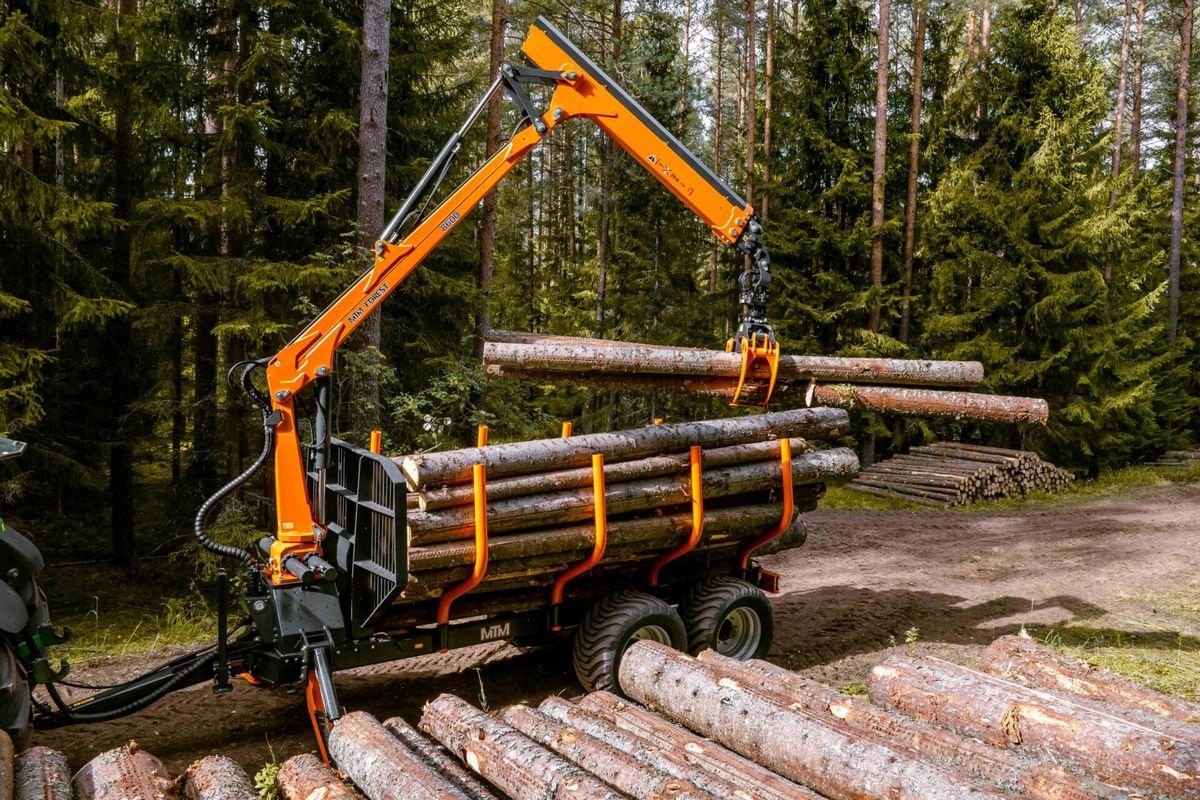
(14, 615)
(20, 563)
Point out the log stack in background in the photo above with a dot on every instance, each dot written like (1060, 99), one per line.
(899, 386)
(951, 474)
(1177, 458)
(541, 501)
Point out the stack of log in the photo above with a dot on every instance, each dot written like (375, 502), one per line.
(1177, 458)
(887, 385)
(541, 500)
(951, 473)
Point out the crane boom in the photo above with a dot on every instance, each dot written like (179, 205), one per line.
(580, 88)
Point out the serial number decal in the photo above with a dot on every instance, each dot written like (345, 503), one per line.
(450, 220)
(366, 306)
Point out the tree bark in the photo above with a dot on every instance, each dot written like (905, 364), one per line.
(714, 256)
(372, 158)
(1135, 116)
(446, 765)
(305, 777)
(608, 160)
(1119, 122)
(507, 759)
(618, 769)
(768, 110)
(1181, 122)
(489, 219)
(796, 744)
(672, 749)
(521, 458)
(751, 95)
(123, 773)
(216, 778)
(1031, 778)
(42, 774)
(914, 165)
(1079, 17)
(383, 767)
(879, 170)
(1009, 715)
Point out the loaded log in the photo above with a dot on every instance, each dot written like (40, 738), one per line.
(507, 759)
(125, 773)
(673, 749)
(543, 455)
(216, 778)
(616, 768)
(798, 745)
(439, 759)
(1006, 714)
(306, 777)
(1031, 778)
(1022, 660)
(383, 768)
(42, 774)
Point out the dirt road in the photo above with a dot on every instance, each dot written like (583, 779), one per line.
(949, 582)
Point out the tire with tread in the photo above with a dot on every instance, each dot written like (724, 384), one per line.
(611, 625)
(730, 616)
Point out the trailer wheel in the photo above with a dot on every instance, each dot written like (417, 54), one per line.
(614, 623)
(730, 616)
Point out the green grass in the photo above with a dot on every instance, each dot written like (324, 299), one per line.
(1111, 483)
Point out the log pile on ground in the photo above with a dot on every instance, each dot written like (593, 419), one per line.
(951, 474)
(541, 501)
(1177, 458)
(887, 385)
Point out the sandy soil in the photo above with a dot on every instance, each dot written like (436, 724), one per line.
(863, 581)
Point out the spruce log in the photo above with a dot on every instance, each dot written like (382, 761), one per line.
(1024, 661)
(636, 359)
(439, 759)
(652, 467)
(125, 773)
(545, 455)
(306, 777)
(673, 749)
(796, 744)
(216, 778)
(891, 495)
(509, 760)
(618, 769)
(575, 505)
(383, 768)
(1031, 778)
(42, 774)
(1009, 715)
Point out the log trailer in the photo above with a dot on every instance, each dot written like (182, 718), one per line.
(315, 588)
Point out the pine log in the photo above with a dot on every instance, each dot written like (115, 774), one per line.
(306, 777)
(618, 769)
(1031, 778)
(125, 773)
(1009, 715)
(545, 455)
(674, 749)
(42, 774)
(652, 467)
(796, 744)
(439, 759)
(1024, 661)
(383, 768)
(591, 357)
(897, 496)
(216, 778)
(509, 760)
(575, 505)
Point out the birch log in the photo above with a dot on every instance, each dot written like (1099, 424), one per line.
(382, 767)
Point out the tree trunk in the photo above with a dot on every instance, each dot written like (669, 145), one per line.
(1119, 122)
(216, 778)
(507, 759)
(768, 103)
(794, 743)
(608, 160)
(446, 765)
(41, 774)
(714, 256)
(1135, 118)
(489, 219)
(914, 165)
(671, 749)
(1046, 726)
(1181, 122)
(522, 458)
(750, 88)
(1079, 17)
(879, 170)
(372, 157)
(305, 777)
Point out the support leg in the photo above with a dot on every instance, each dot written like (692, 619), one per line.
(323, 707)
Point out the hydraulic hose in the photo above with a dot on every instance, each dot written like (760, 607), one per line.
(133, 705)
(206, 510)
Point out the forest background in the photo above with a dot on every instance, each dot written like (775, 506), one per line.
(185, 183)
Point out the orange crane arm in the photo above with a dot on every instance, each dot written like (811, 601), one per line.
(580, 89)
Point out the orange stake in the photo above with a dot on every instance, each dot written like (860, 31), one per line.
(785, 463)
(600, 515)
(479, 479)
(377, 442)
(697, 519)
(567, 429)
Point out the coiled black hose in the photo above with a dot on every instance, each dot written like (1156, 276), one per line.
(206, 510)
(72, 716)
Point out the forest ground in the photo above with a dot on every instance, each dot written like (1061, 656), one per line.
(1115, 579)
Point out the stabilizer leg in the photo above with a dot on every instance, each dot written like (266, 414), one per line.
(321, 694)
